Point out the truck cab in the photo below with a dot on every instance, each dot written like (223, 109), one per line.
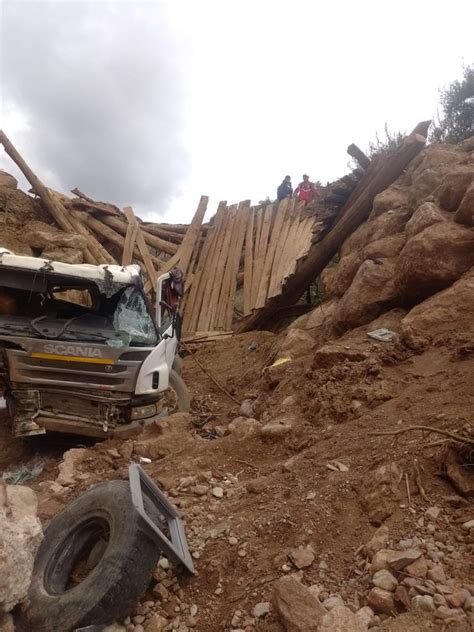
(82, 350)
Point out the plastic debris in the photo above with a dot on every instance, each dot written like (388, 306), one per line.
(383, 335)
(24, 473)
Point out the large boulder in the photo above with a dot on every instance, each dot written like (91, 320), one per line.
(7, 180)
(12, 240)
(44, 236)
(341, 619)
(453, 188)
(297, 608)
(465, 211)
(296, 343)
(433, 260)
(385, 225)
(20, 536)
(371, 293)
(326, 281)
(65, 255)
(452, 309)
(380, 492)
(425, 215)
(20, 208)
(345, 272)
(392, 198)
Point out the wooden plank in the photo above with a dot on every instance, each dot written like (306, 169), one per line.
(152, 240)
(270, 255)
(214, 263)
(248, 262)
(221, 267)
(129, 245)
(229, 289)
(194, 303)
(261, 252)
(192, 234)
(280, 253)
(142, 247)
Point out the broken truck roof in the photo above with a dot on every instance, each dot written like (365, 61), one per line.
(126, 275)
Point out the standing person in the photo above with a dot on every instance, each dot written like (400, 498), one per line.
(306, 191)
(285, 190)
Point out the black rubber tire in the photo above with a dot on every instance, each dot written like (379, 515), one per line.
(117, 582)
(183, 399)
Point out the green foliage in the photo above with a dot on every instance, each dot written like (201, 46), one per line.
(457, 102)
(385, 145)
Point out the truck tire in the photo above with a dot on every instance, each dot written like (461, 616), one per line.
(183, 400)
(117, 581)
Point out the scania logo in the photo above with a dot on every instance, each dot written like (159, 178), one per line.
(72, 350)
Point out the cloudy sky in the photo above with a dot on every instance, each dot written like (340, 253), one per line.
(155, 102)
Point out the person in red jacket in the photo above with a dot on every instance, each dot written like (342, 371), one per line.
(306, 191)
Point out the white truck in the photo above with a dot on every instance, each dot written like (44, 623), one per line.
(81, 348)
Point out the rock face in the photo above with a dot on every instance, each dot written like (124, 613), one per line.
(453, 188)
(7, 180)
(298, 609)
(43, 236)
(433, 260)
(425, 215)
(371, 293)
(465, 212)
(20, 536)
(65, 255)
(380, 492)
(436, 314)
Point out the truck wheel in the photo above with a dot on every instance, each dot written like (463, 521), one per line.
(93, 565)
(183, 400)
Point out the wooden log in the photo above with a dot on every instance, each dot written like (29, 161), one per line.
(129, 245)
(154, 229)
(91, 207)
(121, 227)
(142, 247)
(356, 211)
(51, 204)
(358, 155)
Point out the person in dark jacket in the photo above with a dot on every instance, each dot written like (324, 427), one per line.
(285, 190)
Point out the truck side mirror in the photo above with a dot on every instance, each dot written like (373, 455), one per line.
(159, 297)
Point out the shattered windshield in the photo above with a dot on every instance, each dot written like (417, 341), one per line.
(132, 318)
(76, 309)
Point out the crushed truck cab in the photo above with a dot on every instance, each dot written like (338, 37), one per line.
(81, 348)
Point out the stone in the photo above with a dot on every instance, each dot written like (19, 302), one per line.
(243, 427)
(6, 623)
(20, 537)
(384, 579)
(155, 623)
(443, 612)
(164, 563)
(261, 609)
(423, 602)
(64, 255)
(331, 354)
(246, 408)
(365, 614)
(433, 513)
(418, 568)
(371, 293)
(7, 180)
(297, 609)
(398, 560)
(465, 211)
(402, 597)
(275, 430)
(200, 490)
(377, 542)
(218, 492)
(439, 600)
(380, 492)
(433, 260)
(48, 238)
(381, 601)
(297, 343)
(436, 574)
(453, 189)
(68, 467)
(302, 558)
(457, 599)
(467, 526)
(333, 602)
(425, 215)
(433, 317)
(341, 619)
